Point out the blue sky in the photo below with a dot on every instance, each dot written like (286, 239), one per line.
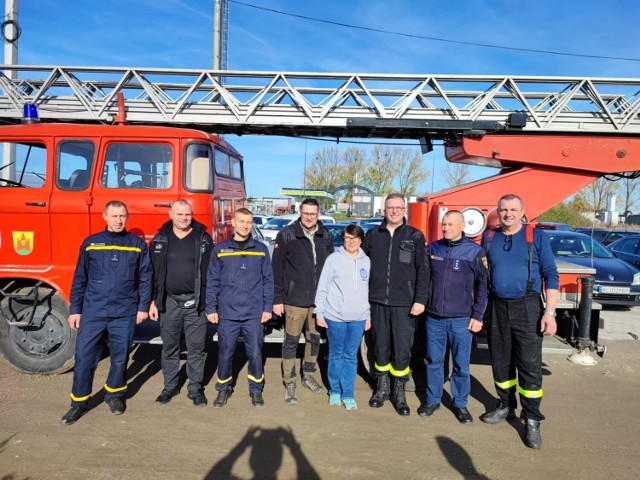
(178, 34)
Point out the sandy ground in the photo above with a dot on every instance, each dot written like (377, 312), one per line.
(592, 429)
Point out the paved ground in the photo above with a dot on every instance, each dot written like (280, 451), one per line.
(591, 429)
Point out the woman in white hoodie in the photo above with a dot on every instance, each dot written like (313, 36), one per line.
(342, 307)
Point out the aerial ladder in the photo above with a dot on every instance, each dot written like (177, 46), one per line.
(551, 135)
(548, 136)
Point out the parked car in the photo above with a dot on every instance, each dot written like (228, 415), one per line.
(627, 249)
(616, 282)
(595, 232)
(260, 220)
(554, 226)
(336, 230)
(368, 226)
(614, 235)
(363, 221)
(272, 227)
(259, 237)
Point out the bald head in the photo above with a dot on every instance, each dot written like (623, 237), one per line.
(181, 216)
(452, 225)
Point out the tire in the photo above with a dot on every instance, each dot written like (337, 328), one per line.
(48, 346)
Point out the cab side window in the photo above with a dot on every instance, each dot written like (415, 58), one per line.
(23, 164)
(198, 174)
(138, 166)
(228, 166)
(74, 165)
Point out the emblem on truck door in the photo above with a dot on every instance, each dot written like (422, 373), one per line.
(23, 242)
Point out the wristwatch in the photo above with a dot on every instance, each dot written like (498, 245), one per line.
(551, 313)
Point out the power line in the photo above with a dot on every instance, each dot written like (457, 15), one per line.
(435, 39)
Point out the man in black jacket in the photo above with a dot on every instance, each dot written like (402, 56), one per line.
(398, 294)
(298, 257)
(183, 248)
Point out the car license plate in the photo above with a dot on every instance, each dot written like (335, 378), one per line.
(619, 290)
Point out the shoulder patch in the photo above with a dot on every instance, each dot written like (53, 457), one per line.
(485, 263)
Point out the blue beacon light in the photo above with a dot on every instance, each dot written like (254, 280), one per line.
(30, 113)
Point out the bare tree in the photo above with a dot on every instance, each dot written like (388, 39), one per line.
(411, 170)
(455, 174)
(382, 170)
(629, 190)
(594, 196)
(326, 170)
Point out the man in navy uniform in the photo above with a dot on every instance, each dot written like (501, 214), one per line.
(239, 301)
(110, 294)
(457, 301)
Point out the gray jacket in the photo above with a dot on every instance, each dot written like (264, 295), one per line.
(343, 288)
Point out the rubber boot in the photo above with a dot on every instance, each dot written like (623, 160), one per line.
(398, 398)
(382, 392)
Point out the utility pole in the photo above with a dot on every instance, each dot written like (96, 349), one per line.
(10, 34)
(220, 34)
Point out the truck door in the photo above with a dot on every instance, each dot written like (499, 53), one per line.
(70, 201)
(25, 192)
(142, 175)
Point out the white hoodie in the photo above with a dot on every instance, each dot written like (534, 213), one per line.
(343, 288)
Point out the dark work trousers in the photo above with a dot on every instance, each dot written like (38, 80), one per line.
(297, 319)
(89, 344)
(393, 330)
(252, 332)
(515, 343)
(173, 322)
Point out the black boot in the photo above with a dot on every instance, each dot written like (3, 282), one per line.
(532, 436)
(382, 392)
(499, 414)
(398, 399)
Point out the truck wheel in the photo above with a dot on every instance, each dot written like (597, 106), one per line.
(45, 347)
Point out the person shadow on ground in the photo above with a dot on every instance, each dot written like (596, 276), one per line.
(266, 448)
(459, 459)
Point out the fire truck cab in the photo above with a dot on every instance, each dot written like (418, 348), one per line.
(55, 180)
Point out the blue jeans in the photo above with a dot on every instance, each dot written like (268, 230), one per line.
(344, 341)
(456, 331)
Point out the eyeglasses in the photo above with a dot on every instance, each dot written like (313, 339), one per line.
(508, 243)
(309, 214)
(352, 239)
(394, 209)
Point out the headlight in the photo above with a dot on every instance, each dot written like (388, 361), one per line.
(636, 279)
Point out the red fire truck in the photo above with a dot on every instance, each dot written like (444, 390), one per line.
(549, 137)
(55, 181)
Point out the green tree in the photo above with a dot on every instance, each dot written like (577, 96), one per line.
(355, 164)
(326, 170)
(564, 213)
(381, 173)
(411, 170)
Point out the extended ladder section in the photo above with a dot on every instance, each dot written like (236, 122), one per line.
(326, 104)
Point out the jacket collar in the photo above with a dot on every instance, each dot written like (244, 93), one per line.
(299, 229)
(455, 243)
(383, 225)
